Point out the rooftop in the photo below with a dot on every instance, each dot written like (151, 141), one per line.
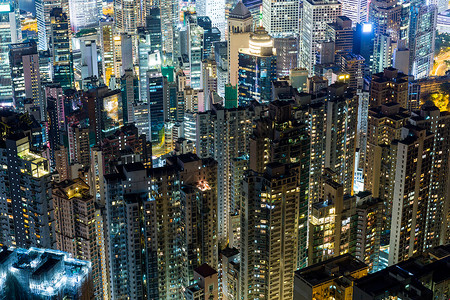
(343, 265)
(240, 11)
(229, 252)
(49, 273)
(205, 270)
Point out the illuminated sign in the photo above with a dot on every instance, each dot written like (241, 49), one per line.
(5, 7)
(367, 27)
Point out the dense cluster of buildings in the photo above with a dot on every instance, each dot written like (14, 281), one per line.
(223, 149)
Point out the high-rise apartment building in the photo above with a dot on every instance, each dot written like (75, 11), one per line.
(414, 157)
(78, 142)
(325, 222)
(25, 185)
(430, 118)
(270, 232)
(389, 86)
(266, 240)
(274, 209)
(223, 134)
(75, 227)
(370, 217)
(229, 262)
(384, 126)
(173, 210)
(341, 123)
(62, 164)
(353, 65)
(257, 68)
(131, 233)
(206, 284)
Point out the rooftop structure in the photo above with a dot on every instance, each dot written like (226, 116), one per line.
(334, 275)
(43, 274)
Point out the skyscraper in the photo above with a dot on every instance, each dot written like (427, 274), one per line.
(223, 135)
(26, 182)
(215, 10)
(43, 11)
(438, 210)
(385, 16)
(281, 18)
(144, 50)
(384, 126)
(363, 42)
(84, 14)
(195, 46)
(316, 14)
(341, 122)
(105, 111)
(107, 47)
(75, 226)
(10, 33)
(61, 49)
(257, 68)
(356, 10)
(169, 24)
(421, 40)
(287, 54)
(153, 25)
(274, 207)
(239, 28)
(341, 33)
(129, 85)
(128, 15)
(211, 35)
(157, 99)
(25, 74)
(414, 157)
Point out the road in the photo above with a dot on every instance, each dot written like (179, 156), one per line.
(440, 66)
